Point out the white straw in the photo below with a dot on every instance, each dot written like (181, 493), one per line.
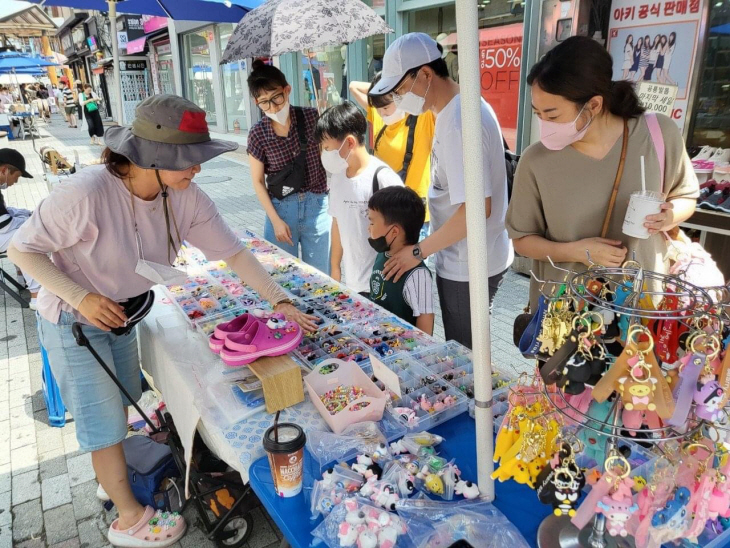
(643, 176)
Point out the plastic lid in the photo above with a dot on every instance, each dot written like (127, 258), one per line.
(291, 438)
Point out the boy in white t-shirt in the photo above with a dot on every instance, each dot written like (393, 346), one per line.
(418, 79)
(355, 176)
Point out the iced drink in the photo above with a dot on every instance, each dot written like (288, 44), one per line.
(642, 203)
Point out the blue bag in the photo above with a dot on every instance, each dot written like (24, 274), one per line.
(148, 463)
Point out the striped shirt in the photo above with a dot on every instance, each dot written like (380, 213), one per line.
(68, 96)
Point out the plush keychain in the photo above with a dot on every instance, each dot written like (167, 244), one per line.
(561, 482)
(616, 485)
(692, 366)
(672, 521)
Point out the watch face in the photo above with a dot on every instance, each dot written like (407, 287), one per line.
(416, 251)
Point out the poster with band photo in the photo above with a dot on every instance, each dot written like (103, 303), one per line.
(656, 43)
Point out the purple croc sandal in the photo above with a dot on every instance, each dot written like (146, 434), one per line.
(238, 324)
(274, 337)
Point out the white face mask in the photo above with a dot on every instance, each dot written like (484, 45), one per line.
(155, 272)
(394, 118)
(333, 162)
(411, 103)
(4, 185)
(281, 116)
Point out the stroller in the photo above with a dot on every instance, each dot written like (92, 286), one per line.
(222, 500)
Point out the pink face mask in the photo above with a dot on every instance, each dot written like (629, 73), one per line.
(558, 135)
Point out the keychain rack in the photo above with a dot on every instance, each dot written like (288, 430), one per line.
(695, 303)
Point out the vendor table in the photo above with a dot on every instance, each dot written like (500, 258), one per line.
(292, 515)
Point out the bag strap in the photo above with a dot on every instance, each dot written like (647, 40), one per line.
(658, 139)
(411, 122)
(617, 180)
(376, 184)
(301, 130)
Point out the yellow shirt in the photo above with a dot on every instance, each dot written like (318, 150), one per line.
(392, 149)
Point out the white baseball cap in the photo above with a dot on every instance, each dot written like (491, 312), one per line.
(407, 52)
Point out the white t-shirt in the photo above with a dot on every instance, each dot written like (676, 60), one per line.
(349, 206)
(447, 192)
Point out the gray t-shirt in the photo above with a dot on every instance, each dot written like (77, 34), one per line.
(563, 195)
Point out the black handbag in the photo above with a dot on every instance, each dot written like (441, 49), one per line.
(290, 178)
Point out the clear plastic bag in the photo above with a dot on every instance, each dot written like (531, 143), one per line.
(360, 438)
(356, 522)
(324, 498)
(436, 524)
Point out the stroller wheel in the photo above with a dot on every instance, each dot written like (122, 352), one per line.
(237, 530)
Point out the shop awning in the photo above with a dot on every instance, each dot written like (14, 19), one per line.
(136, 46)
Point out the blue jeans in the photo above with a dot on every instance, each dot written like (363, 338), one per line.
(95, 402)
(310, 225)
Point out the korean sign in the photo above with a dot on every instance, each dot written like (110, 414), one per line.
(655, 42)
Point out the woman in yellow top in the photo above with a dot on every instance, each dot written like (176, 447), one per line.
(390, 133)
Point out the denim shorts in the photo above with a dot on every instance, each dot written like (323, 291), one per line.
(95, 402)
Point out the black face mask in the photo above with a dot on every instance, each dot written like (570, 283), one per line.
(381, 245)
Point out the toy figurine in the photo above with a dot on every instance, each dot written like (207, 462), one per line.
(618, 513)
(466, 488)
(708, 397)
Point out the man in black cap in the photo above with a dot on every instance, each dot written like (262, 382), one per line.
(12, 168)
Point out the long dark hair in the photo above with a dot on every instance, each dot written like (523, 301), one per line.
(264, 77)
(579, 69)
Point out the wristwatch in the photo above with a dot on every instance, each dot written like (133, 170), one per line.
(284, 301)
(417, 251)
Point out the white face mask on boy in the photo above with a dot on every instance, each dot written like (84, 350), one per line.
(333, 162)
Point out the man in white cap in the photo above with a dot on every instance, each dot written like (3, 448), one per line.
(418, 78)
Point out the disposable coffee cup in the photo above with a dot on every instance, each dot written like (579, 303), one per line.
(641, 204)
(286, 457)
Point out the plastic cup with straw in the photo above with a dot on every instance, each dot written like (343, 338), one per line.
(641, 204)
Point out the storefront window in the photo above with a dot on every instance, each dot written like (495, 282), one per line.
(712, 122)
(235, 90)
(199, 71)
(323, 76)
(500, 52)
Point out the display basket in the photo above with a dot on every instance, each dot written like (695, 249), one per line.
(332, 373)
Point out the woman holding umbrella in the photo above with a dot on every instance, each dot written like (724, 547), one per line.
(113, 232)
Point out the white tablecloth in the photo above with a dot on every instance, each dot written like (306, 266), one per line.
(176, 361)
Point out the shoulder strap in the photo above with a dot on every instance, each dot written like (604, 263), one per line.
(378, 137)
(658, 139)
(376, 184)
(411, 122)
(617, 181)
(301, 130)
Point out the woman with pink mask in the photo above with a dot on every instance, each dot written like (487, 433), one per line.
(564, 184)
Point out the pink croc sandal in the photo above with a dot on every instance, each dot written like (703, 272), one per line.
(155, 530)
(274, 337)
(236, 325)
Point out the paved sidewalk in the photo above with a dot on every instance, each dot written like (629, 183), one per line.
(47, 486)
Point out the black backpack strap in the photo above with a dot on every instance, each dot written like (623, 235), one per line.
(411, 122)
(376, 184)
(301, 130)
(378, 137)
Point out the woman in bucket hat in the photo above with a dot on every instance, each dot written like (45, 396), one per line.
(113, 231)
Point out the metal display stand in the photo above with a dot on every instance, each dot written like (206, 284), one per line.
(696, 302)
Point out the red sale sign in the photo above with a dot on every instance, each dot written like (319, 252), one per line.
(500, 54)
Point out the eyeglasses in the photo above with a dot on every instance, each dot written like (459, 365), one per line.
(395, 93)
(276, 100)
